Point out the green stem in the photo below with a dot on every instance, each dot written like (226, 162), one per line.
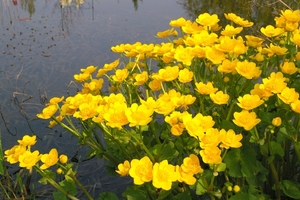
(54, 184)
(154, 132)
(230, 111)
(276, 179)
(142, 145)
(75, 133)
(81, 187)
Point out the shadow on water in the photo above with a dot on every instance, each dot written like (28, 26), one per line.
(45, 42)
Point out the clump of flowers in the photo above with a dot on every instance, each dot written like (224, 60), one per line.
(42, 163)
(209, 112)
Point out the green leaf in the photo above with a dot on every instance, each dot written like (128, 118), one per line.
(244, 196)
(69, 185)
(48, 174)
(183, 196)
(290, 188)
(58, 195)
(165, 151)
(241, 162)
(221, 167)
(108, 196)
(134, 193)
(275, 148)
(200, 187)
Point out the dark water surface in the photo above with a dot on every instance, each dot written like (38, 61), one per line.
(42, 45)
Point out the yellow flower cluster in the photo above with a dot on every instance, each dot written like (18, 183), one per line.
(161, 174)
(209, 85)
(22, 154)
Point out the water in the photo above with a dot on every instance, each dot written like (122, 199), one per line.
(42, 45)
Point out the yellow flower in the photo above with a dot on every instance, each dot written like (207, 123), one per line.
(185, 100)
(219, 97)
(82, 77)
(277, 50)
(290, 15)
(275, 83)
(93, 87)
(191, 164)
(140, 79)
(49, 159)
(226, 44)
(211, 155)
(205, 89)
(48, 112)
(164, 105)
(175, 120)
(228, 66)
(276, 121)
(63, 158)
(138, 115)
(261, 92)
(141, 170)
(248, 69)
(89, 70)
(55, 100)
(123, 168)
(238, 20)
(296, 106)
(120, 75)
(288, 68)
(296, 38)
(245, 119)
(29, 159)
(155, 85)
(211, 138)
(230, 139)
(86, 111)
(193, 126)
(184, 55)
(167, 33)
(249, 101)
(164, 174)
(236, 188)
(206, 19)
(12, 155)
(253, 41)
(178, 22)
(192, 28)
(214, 55)
(206, 122)
(270, 31)
(185, 75)
(185, 177)
(167, 74)
(27, 140)
(288, 95)
(115, 115)
(230, 30)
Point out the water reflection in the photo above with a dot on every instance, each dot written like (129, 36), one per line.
(27, 5)
(69, 2)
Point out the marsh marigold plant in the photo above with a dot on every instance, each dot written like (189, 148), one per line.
(208, 112)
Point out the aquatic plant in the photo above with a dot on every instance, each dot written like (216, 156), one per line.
(208, 113)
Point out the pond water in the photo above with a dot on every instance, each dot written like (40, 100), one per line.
(43, 44)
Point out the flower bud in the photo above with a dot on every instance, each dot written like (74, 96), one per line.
(226, 79)
(63, 158)
(276, 121)
(59, 171)
(236, 188)
(229, 188)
